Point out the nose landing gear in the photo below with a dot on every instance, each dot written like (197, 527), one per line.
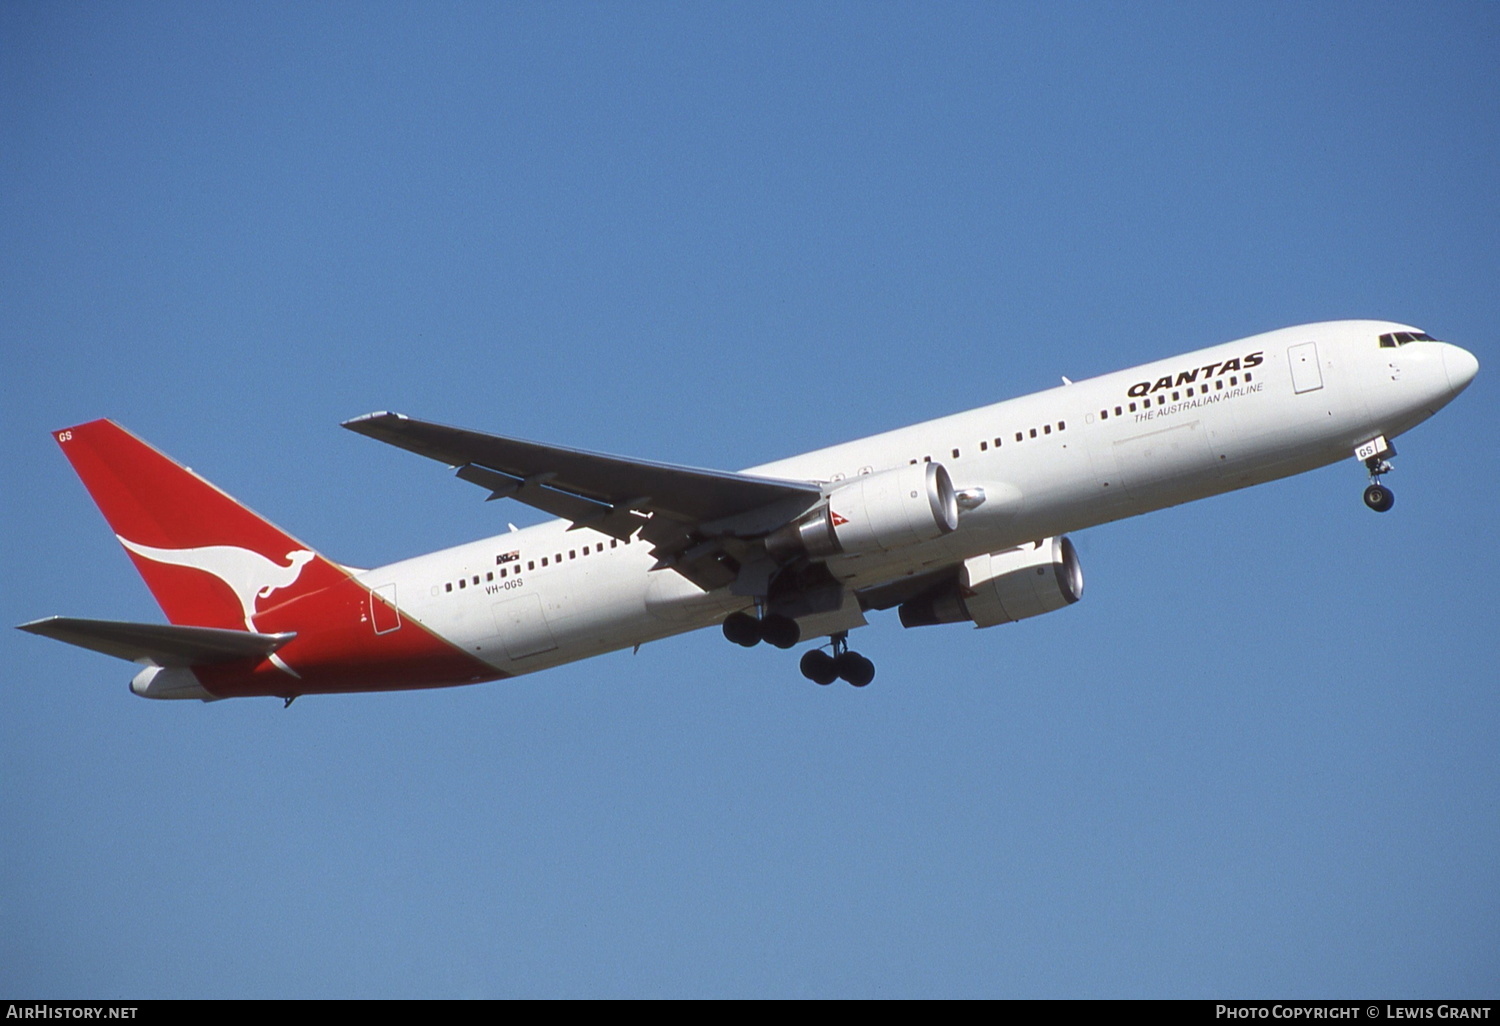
(1374, 452)
(1379, 498)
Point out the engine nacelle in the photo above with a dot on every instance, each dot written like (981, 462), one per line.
(1001, 587)
(873, 513)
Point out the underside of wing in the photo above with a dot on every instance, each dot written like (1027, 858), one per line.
(161, 644)
(690, 515)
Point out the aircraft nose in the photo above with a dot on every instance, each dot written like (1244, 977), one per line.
(1461, 366)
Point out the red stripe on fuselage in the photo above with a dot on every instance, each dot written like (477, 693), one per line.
(337, 650)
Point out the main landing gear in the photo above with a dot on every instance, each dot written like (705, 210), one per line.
(778, 630)
(820, 667)
(817, 666)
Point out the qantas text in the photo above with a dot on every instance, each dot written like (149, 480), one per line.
(1187, 377)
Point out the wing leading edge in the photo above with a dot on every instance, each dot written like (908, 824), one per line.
(685, 512)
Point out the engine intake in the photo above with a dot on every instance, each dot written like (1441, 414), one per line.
(1004, 586)
(873, 513)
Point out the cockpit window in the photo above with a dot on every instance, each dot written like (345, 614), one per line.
(1392, 339)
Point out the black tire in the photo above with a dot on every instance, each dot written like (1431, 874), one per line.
(1379, 498)
(866, 673)
(855, 669)
(781, 631)
(817, 666)
(742, 629)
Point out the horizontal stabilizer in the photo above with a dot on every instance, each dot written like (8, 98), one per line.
(161, 644)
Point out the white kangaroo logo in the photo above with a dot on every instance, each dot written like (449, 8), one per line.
(248, 574)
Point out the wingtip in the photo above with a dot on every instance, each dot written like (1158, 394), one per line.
(355, 423)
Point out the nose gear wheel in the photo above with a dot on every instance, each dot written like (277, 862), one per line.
(1377, 496)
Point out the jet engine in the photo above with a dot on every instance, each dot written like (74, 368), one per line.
(873, 513)
(1004, 586)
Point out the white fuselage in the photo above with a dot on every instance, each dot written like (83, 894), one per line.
(1061, 460)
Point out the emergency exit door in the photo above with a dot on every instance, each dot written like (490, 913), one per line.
(1307, 376)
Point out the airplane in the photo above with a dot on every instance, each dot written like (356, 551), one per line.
(963, 519)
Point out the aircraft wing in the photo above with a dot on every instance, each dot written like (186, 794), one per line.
(159, 643)
(668, 504)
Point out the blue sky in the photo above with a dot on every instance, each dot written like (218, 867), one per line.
(1259, 758)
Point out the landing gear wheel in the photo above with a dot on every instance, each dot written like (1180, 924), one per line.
(1379, 498)
(778, 630)
(854, 668)
(742, 629)
(817, 666)
(822, 668)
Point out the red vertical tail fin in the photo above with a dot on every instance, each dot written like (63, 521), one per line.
(211, 562)
(208, 560)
